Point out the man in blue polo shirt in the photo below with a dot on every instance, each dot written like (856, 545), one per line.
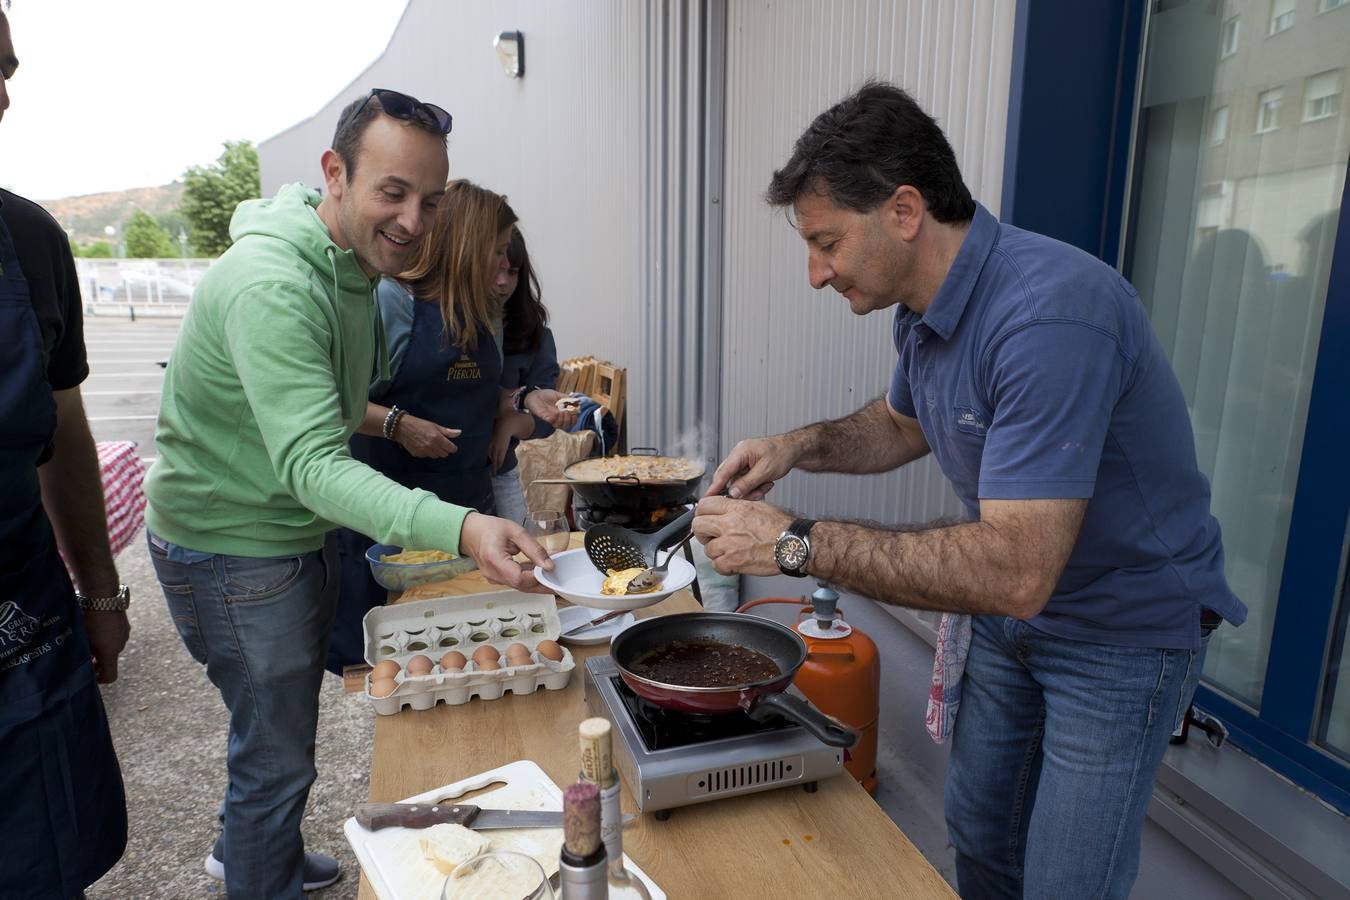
(1089, 562)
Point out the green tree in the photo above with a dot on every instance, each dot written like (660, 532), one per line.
(210, 194)
(96, 250)
(174, 223)
(146, 240)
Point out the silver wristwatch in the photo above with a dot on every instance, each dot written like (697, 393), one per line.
(792, 550)
(118, 602)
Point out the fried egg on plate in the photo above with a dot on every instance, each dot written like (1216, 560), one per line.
(616, 582)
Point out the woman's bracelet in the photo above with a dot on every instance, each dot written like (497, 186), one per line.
(391, 421)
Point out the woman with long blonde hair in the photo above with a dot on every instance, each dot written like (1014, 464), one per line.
(430, 424)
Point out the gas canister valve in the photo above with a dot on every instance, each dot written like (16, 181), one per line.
(825, 622)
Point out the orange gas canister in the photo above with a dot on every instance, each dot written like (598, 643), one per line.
(841, 675)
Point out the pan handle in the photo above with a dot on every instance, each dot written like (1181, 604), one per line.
(828, 729)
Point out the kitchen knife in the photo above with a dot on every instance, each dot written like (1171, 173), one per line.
(374, 816)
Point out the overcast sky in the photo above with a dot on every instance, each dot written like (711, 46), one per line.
(114, 94)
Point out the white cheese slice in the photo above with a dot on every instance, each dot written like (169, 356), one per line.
(446, 846)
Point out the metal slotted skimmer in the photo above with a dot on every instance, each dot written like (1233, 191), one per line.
(612, 547)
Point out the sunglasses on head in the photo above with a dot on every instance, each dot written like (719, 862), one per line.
(409, 109)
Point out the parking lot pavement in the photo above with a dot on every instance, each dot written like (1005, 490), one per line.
(121, 394)
(168, 723)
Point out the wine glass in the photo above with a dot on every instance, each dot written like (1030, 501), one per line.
(498, 874)
(549, 528)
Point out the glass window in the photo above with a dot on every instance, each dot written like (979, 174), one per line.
(1329, 5)
(1334, 731)
(1322, 96)
(1218, 126)
(1230, 36)
(1281, 16)
(1230, 247)
(1268, 110)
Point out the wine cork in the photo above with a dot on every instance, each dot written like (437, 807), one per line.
(597, 751)
(581, 819)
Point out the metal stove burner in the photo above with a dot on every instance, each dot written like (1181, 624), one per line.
(663, 729)
(639, 517)
(669, 759)
(641, 520)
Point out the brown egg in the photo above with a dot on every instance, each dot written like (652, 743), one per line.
(518, 651)
(385, 668)
(486, 664)
(419, 665)
(550, 650)
(382, 687)
(454, 661)
(486, 652)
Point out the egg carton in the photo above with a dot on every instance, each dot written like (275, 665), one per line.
(434, 627)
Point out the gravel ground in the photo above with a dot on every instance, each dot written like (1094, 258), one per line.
(169, 726)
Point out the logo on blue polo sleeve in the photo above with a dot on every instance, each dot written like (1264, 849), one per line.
(971, 421)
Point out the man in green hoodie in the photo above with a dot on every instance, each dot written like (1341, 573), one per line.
(266, 385)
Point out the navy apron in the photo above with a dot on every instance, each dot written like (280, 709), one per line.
(442, 385)
(63, 819)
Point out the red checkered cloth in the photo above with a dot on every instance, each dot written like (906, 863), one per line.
(122, 472)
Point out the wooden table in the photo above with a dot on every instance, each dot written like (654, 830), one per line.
(780, 843)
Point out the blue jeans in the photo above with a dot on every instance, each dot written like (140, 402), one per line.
(509, 497)
(260, 626)
(1053, 759)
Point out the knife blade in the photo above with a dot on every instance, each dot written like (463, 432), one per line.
(374, 816)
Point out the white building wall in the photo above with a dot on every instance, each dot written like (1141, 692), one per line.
(565, 143)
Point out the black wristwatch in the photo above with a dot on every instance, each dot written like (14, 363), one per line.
(792, 550)
(518, 401)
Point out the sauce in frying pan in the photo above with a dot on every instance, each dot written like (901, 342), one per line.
(704, 664)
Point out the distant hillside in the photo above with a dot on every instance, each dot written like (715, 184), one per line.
(88, 215)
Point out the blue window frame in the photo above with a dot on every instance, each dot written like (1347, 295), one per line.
(1066, 174)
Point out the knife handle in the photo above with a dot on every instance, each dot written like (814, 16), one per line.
(374, 816)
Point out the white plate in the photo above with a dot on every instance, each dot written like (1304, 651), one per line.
(576, 579)
(575, 616)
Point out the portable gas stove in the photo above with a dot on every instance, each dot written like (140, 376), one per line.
(671, 759)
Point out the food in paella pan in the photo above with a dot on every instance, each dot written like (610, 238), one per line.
(648, 468)
(616, 584)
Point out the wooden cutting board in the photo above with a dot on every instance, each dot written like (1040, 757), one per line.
(390, 857)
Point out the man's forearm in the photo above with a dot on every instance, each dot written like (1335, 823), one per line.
(863, 442)
(72, 494)
(968, 567)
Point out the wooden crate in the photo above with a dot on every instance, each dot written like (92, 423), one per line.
(601, 380)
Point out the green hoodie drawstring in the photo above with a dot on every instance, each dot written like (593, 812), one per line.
(344, 402)
(381, 342)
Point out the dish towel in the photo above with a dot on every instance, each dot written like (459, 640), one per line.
(122, 473)
(949, 665)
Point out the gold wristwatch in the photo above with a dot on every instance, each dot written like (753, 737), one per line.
(118, 602)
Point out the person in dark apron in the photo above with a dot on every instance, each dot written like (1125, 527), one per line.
(530, 369)
(62, 809)
(430, 426)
